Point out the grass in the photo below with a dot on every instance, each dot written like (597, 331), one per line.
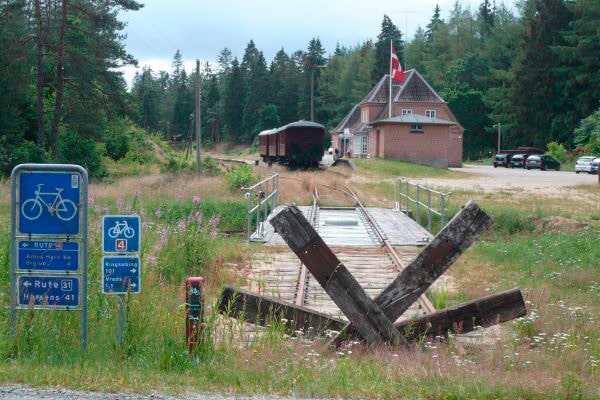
(392, 169)
(554, 352)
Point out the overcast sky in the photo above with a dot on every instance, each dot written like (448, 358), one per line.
(201, 28)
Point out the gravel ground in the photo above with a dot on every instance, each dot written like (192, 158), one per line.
(490, 179)
(18, 392)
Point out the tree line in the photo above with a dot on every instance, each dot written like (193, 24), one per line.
(535, 69)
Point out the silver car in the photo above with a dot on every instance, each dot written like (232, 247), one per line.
(584, 164)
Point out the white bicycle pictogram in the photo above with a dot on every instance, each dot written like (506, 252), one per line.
(121, 228)
(64, 209)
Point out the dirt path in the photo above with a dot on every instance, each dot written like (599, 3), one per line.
(18, 392)
(492, 179)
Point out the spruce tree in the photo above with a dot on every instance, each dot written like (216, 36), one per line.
(381, 65)
(434, 23)
(233, 102)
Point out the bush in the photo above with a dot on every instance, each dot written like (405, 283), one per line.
(557, 151)
(141, 148)
(73, 149)
(176, 165)
(17, 152)
(239, 176)
(117, 145)
(587, 134)
(210, 167)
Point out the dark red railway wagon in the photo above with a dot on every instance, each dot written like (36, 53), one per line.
(301, 143)
(267, 144)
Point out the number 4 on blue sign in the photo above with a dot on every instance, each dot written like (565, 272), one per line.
(121, 234)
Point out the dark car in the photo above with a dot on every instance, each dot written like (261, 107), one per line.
(595, 165)
(518, 161)
(542, 162)
(502, 160)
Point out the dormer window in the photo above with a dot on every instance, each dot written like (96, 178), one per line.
(430, 113)
(364, 115)
(407, 111)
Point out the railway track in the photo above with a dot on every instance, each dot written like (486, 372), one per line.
(358, 241)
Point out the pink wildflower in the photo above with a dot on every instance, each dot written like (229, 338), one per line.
(196, 199)
(182, 226)
(119, 203)
(142, 214)
(91, 199)
(157, 213)
(105, 210)
(151, 260)
(214, 221)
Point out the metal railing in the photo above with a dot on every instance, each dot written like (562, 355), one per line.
(262, 200)
(414, 198)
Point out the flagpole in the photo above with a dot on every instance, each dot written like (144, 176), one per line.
(390, 94)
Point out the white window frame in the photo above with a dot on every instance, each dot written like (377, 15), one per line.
(430, 113)
(417, 128)
(364, 115)
(407, 111)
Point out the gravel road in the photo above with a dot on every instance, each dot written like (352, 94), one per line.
(18, 392)
(490, 179)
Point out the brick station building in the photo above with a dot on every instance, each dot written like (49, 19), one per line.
(422, 128)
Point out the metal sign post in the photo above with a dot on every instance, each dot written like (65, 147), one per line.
(121, 265)
(193, 312)
(49, 240)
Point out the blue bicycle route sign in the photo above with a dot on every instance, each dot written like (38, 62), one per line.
(121, 274)
(48, 255)
(121, 234)
(48, 292)
(49, 203)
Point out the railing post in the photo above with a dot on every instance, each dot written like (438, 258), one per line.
(442, 215)
(429, 209)
(249, 213)
(417, 207)
(266, 200)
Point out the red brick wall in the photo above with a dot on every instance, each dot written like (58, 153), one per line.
(433, 147)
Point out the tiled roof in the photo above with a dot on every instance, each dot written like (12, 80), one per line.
(349, 120)
(415, 88)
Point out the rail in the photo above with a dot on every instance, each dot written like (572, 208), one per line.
(261, 201)
(413, 198)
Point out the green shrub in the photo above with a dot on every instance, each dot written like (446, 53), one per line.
(210, 167)
(73, 149)
(176, 165)
(557, 151)
(22, 151)
(117, 145)
(239, 176)
(141, 148)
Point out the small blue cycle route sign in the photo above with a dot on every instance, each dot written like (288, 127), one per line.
(49, 203)
(121, 234)
(48, 292)
(48, 256)
(121, 274)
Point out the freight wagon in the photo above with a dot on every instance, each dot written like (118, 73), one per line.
(299, 143)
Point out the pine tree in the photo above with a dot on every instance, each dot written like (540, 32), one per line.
(536, 98)
(257, 93)
(434, 23)
(486, 18)
(233, 102)
(381, 65)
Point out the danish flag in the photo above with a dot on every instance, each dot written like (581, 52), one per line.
(397, 73)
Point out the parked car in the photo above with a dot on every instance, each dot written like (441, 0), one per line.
(584, 164)
(542, 162)
(595, 164)
(518, 161)
(502, 160)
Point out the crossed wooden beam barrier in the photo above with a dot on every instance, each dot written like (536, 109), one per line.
(372, 319)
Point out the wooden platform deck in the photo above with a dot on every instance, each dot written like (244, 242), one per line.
(335, 227)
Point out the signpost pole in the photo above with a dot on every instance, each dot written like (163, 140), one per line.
(84, 258)
(13, 252)
(121, 323)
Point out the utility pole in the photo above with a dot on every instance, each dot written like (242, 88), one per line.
(312, 89)
(198, 97)
(499, 126)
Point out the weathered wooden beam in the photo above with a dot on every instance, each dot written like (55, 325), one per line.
(334, 277)
(462, 318)
(256, 309)
(465, 317)
(457, 236)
